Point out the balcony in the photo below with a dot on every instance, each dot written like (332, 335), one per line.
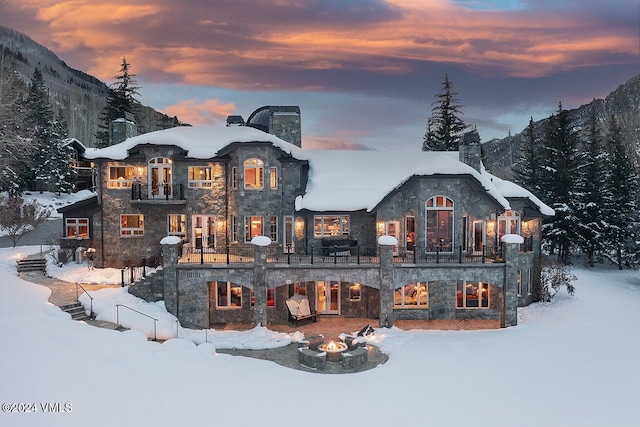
(160, 195)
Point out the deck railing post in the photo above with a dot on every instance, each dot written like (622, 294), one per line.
(483, 253)
(460, 254)
(227, 254)
(335, 254)
(311, 254)
(358, 254)
(201, 254)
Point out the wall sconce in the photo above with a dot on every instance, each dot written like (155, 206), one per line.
(140, 170)
(491, 227)
(380, 227)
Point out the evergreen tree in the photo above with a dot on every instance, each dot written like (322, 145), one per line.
(120, 99)
(560, 167)
(15, 150)
(444, 127)
(527, 170)
(594, 194)
(51, 166)
(621, 212)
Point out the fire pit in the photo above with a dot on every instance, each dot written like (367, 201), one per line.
(333, 350)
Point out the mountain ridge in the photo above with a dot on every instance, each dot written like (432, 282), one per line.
(75, 95)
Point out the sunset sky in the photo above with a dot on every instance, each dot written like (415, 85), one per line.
(364, 72)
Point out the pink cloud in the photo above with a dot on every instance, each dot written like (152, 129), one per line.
(197, 112)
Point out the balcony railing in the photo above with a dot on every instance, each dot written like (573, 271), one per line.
(329, 255)
(163, 192)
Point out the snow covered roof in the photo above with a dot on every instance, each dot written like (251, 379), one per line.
(339, 180)
(512, 190)
(353, 180)
(199, 142)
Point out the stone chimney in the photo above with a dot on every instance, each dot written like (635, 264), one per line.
(123, 126)
(282, 121)
(469, 150)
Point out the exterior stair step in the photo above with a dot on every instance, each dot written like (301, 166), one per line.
(32, 264)
(76, 311)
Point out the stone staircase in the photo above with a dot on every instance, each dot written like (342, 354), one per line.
(76, 311)
(32, 264)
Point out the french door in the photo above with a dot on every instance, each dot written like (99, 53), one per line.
(328, 297)
(203, 231)
(160, 178)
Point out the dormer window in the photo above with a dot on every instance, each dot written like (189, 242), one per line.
(253, 174)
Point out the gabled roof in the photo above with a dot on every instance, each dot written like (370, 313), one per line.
(339, 180)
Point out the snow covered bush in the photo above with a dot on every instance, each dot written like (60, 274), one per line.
(553, 277)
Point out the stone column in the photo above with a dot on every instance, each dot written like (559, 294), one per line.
(260, 285)
(510, 291)
(386, 285)
(170, 260)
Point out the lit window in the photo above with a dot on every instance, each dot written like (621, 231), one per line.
(330, 225)
(252, 227)
(200, 177)
(228, 295)
(253, 173)
(472, 295)
(439, 224)
(508, 223)
(271, 297)
(177, 225)
(131, 225)
(415, 295)
(120, 176)
(77, 228)
(354, 292)
(273, 178)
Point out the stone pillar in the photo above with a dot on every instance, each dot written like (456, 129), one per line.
(260, 285)
(169, 271)
(386, 285)
(510, 291)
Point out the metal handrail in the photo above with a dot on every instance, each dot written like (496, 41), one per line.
(155, 321)
(89, 295)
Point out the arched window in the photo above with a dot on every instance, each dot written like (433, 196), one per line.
(439, 213)
(508, 223)
(253, 173)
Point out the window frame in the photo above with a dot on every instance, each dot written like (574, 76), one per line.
(257, 166)
(273, 228)
(402, 294)
(248, 224)
(506, 222)
(78, 223)
(235, 229)
(321, 220)
(181, 222)
(132, 231)
(273, 178)
(355, 292)
(462, 300)
(206, 183)
(271, 302)
(120, 182)
(444, 208)
(230, 293)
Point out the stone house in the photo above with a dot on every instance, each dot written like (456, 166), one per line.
(324, 211)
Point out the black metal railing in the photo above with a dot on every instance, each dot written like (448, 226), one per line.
(132, 274)
(336, 255)
(169, 192)
(78, 285)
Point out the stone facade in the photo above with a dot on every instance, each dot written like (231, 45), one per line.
(217, 204)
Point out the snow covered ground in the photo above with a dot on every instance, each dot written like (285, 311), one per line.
(570, 363)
